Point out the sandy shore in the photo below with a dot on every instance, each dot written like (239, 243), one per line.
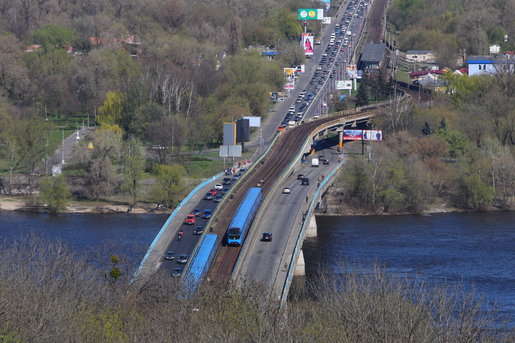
(10, 203)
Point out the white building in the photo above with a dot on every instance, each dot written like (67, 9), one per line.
(426, 56)
(488, 65)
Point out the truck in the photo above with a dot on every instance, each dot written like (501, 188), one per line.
(315, 162)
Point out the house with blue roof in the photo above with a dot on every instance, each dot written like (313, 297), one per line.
(489, 65)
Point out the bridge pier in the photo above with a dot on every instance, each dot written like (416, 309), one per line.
(300, 266)
(312, 230)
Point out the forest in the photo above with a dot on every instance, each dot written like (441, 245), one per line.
(453, 28)
(155, 73)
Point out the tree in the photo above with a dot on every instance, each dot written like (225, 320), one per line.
(110, 112)
(474, 193)
(134, 163)
(53, 37)
(168, 184)
(362, 96)
(54, 192)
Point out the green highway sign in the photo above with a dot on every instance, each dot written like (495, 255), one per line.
(310, 14)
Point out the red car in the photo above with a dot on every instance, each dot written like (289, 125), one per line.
(190, 219)
(213, 192)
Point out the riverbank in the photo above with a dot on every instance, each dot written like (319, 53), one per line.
(333, 205)
(17, 203)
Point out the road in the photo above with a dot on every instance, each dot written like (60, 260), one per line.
(284, 213)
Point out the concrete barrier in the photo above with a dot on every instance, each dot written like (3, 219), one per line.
(150, 262)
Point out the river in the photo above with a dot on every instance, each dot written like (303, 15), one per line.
(96, 236)
(474, 251)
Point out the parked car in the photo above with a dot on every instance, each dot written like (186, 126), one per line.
(198, 230)
(170, 256)
(208, 196)
(219, 187)
(196, 212)
(218, 197)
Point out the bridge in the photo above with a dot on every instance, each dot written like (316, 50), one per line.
(289, 217)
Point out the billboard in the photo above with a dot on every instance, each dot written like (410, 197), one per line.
(230, 151)
(310, 14)
(254, 121)
(365, 135)
(308, 44)
(289, 85)
(352, 71)
(344, 84)
(229, 133)
(326, 20)
(242, 130)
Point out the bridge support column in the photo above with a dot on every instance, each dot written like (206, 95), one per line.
(312, 228)
(340, 139)
(300, 266)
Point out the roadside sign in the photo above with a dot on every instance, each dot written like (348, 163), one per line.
(344, 84)
(310, 14)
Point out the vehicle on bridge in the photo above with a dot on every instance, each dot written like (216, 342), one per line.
(200, 262)
(239, 226)
(190, 219)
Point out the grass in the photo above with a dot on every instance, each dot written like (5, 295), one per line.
(402, 76)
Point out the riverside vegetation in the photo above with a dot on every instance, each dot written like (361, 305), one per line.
(149, 73)
(47, 294)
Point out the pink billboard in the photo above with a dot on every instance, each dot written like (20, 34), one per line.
(308, 44)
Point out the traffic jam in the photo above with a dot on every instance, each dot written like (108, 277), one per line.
(313, 101)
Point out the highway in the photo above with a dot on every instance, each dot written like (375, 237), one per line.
(284, 212)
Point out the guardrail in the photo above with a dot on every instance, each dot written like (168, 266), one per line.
(165, 226)
(300, 237)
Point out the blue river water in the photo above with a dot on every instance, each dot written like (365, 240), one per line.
(471, 251)
(475, 251)
(95, 236)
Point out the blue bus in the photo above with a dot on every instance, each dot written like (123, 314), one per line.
(237, 230)
(200, 262)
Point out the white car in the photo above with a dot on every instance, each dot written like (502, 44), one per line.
(219, 187)
(286, 191)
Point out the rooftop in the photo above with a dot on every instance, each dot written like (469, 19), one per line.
(491, 59)
(373, 52)
(418, 52)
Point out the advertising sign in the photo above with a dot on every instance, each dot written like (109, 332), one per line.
(366, 135)
(242, 130)
(308, 43)
(372, 135)
(230, 151)
(310, 14)
(289, 85)
(254, 121)
(290, 72)
(352, 71)
(344, 84)
(327, 4)
(229, 134)
(326, 20)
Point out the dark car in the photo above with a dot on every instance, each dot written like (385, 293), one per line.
(218, 197)
(170, 256)
(196, 212)
(267, 237)
(305, 181)
(300, 176)
(183, 259)
(198, 230)
(208, 196)
(207, 213)
(227, 181)
(325, 162)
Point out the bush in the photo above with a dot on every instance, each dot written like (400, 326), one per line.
(54, 193)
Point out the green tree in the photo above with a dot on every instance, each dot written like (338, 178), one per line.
(54, 193)
(474, 192)
(362, 95)
(133, 166)
(110, 113)
(169, 184)
(53, 37)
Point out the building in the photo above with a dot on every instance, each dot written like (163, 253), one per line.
(373, 57)
(488, 65)
(425, 56)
